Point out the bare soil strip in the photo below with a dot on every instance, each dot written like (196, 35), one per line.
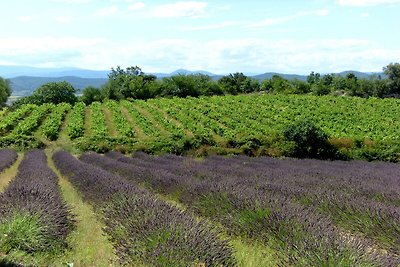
(109, 122)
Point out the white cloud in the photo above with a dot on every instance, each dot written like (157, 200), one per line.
(321, 12)
(106, 11)
(216, 26)
(136, 6)
(225, 8)
(367, 2)
(284, 19)
(219, 56)
(191, 9)
(365, 15)
(73, 1)
(46, 50)
(25, 18)
(63, 19)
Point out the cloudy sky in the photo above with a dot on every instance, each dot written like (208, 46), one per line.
(220, 36)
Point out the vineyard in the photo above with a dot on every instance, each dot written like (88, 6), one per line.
(245, 124)
(171, 210)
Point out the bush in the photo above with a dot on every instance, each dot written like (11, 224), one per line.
(310, 141)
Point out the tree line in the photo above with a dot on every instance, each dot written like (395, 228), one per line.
(133, 83)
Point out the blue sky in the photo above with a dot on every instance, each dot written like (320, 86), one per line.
(220, 36)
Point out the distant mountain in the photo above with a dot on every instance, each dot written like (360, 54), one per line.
(362, 75)
(25, 85)
(26, 79)
(16, 71)
(269, 75)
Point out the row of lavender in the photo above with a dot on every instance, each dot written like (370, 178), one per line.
(7, 158)
(33, 215)
(318, 213)
(143, 228)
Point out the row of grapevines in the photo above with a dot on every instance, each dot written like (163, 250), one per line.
(12, 118)
(199, 112)
(160, 119)
(233, 117)
(145, 125)
(123, 126)
(32, 122)
(3, 112)
(76, 123)
(98, 126)
(51, 127)
(193, 125)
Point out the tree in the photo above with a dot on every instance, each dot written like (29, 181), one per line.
(130, 83)
(5, 91)
(238, 83)
(313, 78)
(281, 85)
(393, 72)
(91, 94)
(189, 85)
(53, 92)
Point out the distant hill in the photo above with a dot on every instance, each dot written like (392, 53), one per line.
(269, 75)
(16, 71)
(25, 85)
(26, 79)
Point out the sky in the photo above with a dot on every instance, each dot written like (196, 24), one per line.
(220, 36)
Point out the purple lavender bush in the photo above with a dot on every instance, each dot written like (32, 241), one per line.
(33, 215)
(7, 158)
(317, 213)
(142, 227)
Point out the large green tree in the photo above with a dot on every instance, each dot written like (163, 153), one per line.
(189, 85)
(393, 72)
(53, 92)
(130, 83)
(237, 83)
(5, 91)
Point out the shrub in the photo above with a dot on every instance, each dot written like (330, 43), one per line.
(310, 141)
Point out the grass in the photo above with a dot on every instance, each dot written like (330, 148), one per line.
(9, 174)
(22, 232)
(108, 117)
(250, 253)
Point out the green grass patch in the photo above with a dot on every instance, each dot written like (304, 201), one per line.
(22, 231)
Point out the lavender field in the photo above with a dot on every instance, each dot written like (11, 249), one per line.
(170, 210)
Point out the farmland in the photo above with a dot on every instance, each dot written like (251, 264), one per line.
(141, 183)
(173, 210)
(244, 124)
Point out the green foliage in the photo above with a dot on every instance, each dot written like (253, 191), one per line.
(20, 142)
(237, 83)
(123, 126)
(189, 85)
(393, 72)
(5, 91)
(76, 123)
(54, 92)
(98, 126)
(130, 83)
(32, 122)
(91, 94)
(9, 121)
(22, 232)
(310, 141)
(51, 126)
